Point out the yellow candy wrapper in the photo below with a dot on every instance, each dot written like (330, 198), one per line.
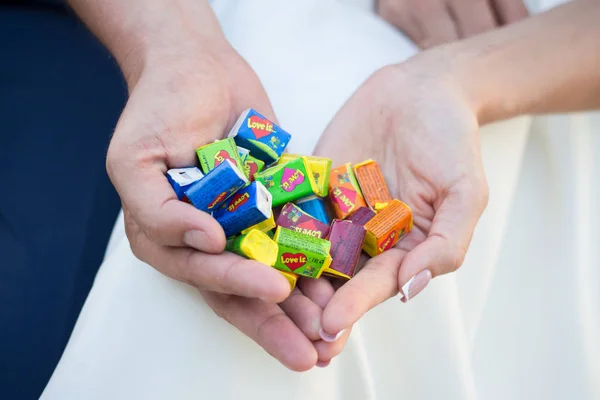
(255, 245)
(320, 167)
(265, 226)
(292, 278)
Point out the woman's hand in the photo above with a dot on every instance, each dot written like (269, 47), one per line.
(432, 22)
(417, 125)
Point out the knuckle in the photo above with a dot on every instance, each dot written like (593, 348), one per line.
(220, 311)
(153, 229)
(187, 272)
(388, 8)
(263, 329)
(456, 259)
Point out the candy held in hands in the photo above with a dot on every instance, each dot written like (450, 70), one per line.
(182, 178)
(361, 216)
(265, 226)
(265, 140)
(386, 228)
(372, 184)
(255, 245)
(214, 154)
(253, 166)
(291, 278)
(247, 207)
(301, 254)
(243, 153)
(287, 182)
(292, 217)
(315, 207)
(216, 186)
(320, 168)
(344, 191)
(346, 245)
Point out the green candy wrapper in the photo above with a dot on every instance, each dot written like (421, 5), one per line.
(252, 166)
(288, 182)
(301, 254)
(213, 154)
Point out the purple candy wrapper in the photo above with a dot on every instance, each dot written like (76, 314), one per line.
(361, 216)
(346, 244)
(292, 217)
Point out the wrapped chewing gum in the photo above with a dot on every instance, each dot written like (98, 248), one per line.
(255, 245)
(220, 183)
(315, 207)
(387, 227)
(301, 254)
(372, 184)
(361, 216)
(214, 154)
(249, 206)
(344, 191)
(346, 245)
(252, 166)
(320, 168)
(265, 226)
(287, 182)
(265, 140)
(292, 217)
(182, 178)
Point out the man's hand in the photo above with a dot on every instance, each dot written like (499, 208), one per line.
(432, 22)
(187, 87)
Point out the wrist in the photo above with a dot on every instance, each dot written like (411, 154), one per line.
(177, 53)
(143, 35)
(446, 70)
(466, 66)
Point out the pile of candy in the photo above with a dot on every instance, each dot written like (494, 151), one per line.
(298, 238)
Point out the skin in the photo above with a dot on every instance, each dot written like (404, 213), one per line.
(187, 87)
(423, 116)
(433, 22)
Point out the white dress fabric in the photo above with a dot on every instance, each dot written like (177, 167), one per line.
(520, 319)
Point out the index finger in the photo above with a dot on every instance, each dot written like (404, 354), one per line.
(375, 283)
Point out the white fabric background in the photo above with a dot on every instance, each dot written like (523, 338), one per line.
(520, 320)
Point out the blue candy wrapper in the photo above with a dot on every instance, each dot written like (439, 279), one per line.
(182, 178)
(216, 187)
(265, 140)
(315, 207)
(249, 206)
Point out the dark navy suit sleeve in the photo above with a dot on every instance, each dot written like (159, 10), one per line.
(60, 97)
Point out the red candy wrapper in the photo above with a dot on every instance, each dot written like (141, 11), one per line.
(292, 217)
(346, 244)
(361, 216)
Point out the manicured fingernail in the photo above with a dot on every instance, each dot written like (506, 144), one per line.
(329, 337)
(322, 364)
(415, 285)
(198, 240)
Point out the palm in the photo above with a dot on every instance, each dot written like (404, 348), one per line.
(170, 113)
(424, 141)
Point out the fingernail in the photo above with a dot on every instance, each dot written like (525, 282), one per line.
(322, 364)
(198, 240)
(415, 285)
(329, 337)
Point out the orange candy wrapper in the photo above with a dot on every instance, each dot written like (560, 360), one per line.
(386, 228)
(344, 191)
(373, 187)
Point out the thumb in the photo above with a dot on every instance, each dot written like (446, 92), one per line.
(445, 247)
